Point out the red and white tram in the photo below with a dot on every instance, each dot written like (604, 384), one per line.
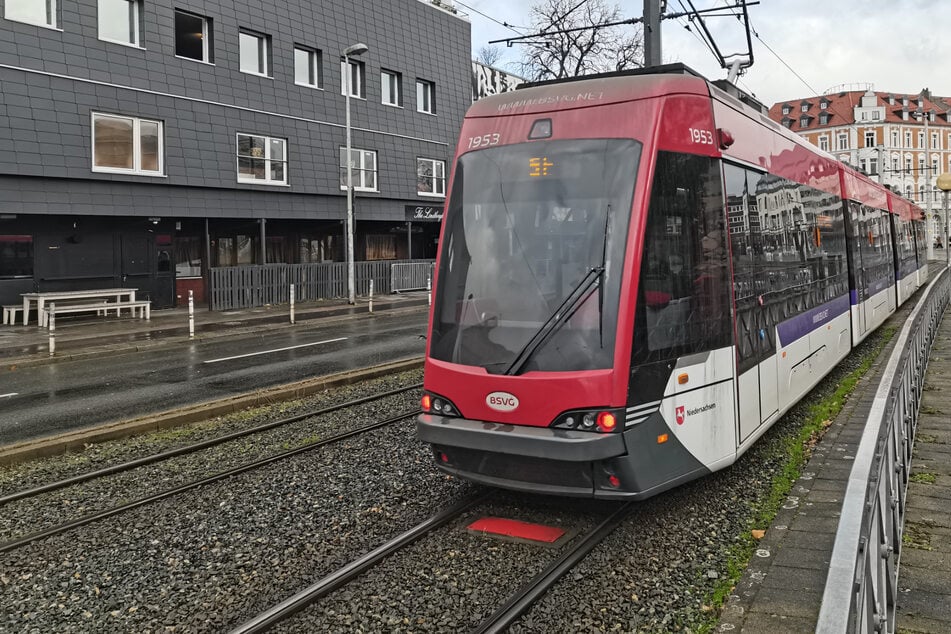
(638, 274)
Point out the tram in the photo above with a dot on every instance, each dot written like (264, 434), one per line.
(638, 274)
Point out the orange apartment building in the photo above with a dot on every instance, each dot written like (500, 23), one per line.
(900, 140)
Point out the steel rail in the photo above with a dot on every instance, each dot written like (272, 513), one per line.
(88, 519)
(187, 449)
(344, 575)
(528, 594)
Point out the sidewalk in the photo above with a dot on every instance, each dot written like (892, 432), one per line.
(82, 336)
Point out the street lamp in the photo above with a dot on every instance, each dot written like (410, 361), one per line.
(944, 184)
(355, 49)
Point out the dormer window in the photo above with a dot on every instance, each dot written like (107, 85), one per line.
(823, 105)
(931, 116)
(824, 118)
(803, 122)
(787, 122)
(786, 109)
(805, 107)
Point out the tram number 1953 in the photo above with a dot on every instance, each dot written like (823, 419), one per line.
(484, 141)
(701, 136)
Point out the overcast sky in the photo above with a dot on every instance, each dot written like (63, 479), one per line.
(899, 46)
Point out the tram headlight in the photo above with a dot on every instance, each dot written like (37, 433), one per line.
(604, 421)
(435, 404)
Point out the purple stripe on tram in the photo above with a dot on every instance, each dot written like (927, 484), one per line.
(854, 296)
(801, 325)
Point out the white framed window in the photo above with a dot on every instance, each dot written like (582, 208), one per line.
(308, 67)
(38, 12)
(803, 122)
(908, 166)
(824, 143)
(254, 53)
(921, 140)
(119, 21)
(805, 107)
(786, 109)
(193, 37)
(262, 159)
(934, 141)
(363, 168)
(870, 138)
(823, 105)
(894, 138)
(430, 177)
(895, 165)
(392, 84)
(843, 141)
(127, 145)
(425, 96)
(907, 139)
(357, 79)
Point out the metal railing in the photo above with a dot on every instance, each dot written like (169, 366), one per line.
(411, 276)
(862, 585)
(236, 287)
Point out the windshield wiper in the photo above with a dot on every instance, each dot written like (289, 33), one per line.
(562, 314)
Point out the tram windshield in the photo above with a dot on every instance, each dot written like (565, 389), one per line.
(532, 254)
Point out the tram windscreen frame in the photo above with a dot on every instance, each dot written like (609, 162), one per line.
(525, 224)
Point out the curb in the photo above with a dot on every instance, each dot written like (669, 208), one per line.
(63, 443)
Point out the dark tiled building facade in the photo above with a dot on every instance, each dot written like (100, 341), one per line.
(148, 140)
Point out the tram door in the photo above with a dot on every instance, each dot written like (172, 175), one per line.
(857, 271)
(757, 385)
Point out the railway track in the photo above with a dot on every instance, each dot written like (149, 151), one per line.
(516, 605)
(191, 448)
(94, 517)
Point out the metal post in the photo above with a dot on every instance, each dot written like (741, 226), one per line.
(371, 295)
(263, 243)
(191, 314)
(429, 288)
(207, 264)
(351, 291)
(292, 303)
(409, 240)
(928, 213)
(52, 325)
(947, 232)
(652, 50)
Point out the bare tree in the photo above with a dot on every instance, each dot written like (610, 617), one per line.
(489, 55)
(569, 50)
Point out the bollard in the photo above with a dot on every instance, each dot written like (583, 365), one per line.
(371, 296)
(191, 314)
(292, 303)
(429, 288)
(52, 325)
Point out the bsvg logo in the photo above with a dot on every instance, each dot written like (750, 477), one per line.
(681, 415)
(502, 401)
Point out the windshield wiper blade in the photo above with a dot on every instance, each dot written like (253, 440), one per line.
(562, 314)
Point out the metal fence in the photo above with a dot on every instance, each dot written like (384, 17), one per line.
(235, 287)
(862, 585)
(411, 276)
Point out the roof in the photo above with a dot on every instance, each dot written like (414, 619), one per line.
(840, 109)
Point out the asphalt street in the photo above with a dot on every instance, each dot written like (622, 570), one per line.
(42, 400)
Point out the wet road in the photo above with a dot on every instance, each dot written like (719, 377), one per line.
(48, 399)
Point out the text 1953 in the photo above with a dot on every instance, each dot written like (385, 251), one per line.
(701, 136)
(484, 141)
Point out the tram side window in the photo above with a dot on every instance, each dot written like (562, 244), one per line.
(683, 298)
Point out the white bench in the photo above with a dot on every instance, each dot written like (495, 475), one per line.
(144, 308)
(10, 313)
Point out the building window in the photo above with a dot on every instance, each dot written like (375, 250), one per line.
(16, 256)
(363, 168)
(39, 12)
(824, 143)
(805, 107)
(907, 139)
(824, 118)
(934, 141)
(804, 122)
(786, 109)
(262, 159)
(870, 138)
(357, 78)
(119, 21)
(873, 166)
(430, 177)
(823, 105)
(895, 165)
(381, 247)
(127, 145)
(921, 140)
(843, 141)
(193, 37)
(308, 67)
(894, 138)
(908, 166)
(392, 87)
(425, 96)
(254, 53)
